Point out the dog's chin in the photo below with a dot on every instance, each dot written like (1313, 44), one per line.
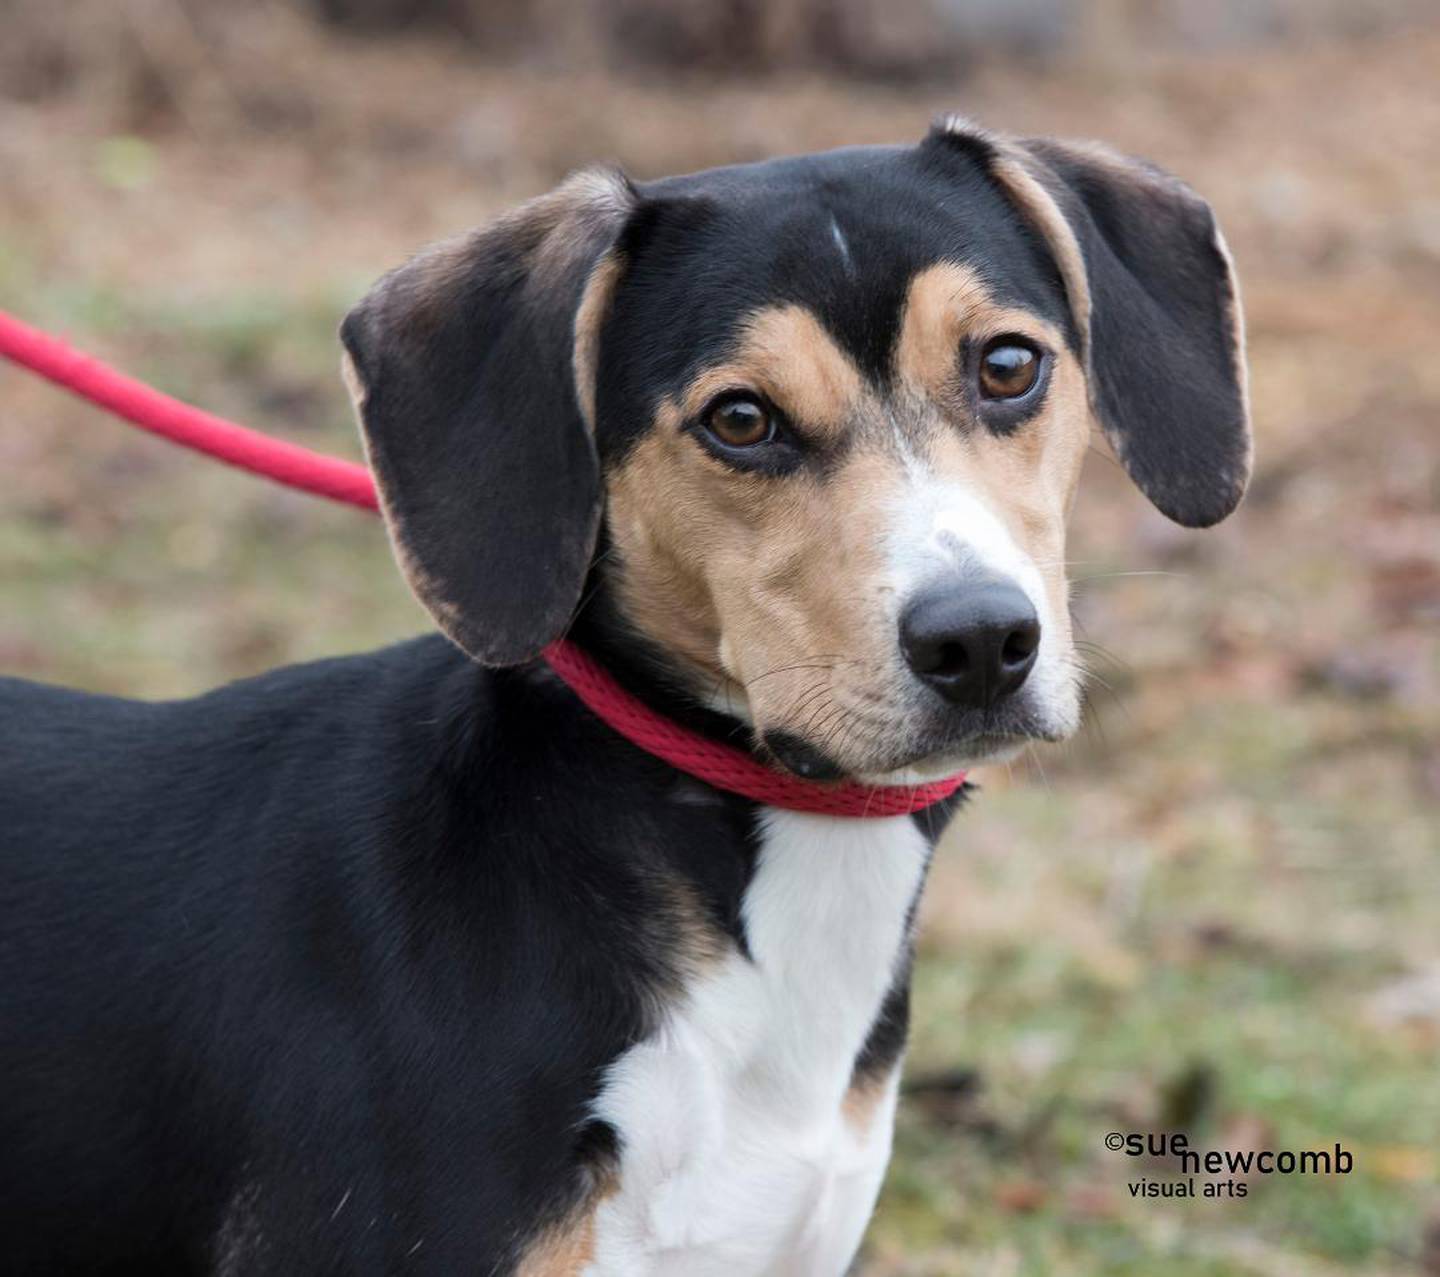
(918, 763)
(809, 763)
(927, 746)
(980, 751)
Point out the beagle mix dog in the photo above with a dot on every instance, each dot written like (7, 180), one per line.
(405, 962)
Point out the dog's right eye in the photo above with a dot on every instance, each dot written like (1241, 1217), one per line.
(740, 421)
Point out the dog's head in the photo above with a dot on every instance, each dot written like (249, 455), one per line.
(826, 416)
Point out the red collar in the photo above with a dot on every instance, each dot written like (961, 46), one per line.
(724, 766)
(720, 765)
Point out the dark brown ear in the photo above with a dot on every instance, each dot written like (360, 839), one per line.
(1154, 295)
(471, 370)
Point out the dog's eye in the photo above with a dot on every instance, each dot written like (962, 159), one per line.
(1009, 368)
(740, 421)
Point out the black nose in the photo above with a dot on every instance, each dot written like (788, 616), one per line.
(973, 643)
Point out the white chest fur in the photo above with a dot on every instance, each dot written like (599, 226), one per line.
(738, 1158)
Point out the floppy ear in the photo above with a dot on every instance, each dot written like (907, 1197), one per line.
(1153, 293)
(472, 372)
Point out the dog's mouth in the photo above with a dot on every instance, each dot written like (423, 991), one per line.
(800, 757)
(906, 764)
(894, 738)
(985, 749)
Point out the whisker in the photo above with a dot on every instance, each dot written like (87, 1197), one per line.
(1106, 576)
(786, 669)
(1034, 758)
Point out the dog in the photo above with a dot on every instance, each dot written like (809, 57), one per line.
(406, 963)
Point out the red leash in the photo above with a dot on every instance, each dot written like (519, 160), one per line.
(723, 766)
(137, 403)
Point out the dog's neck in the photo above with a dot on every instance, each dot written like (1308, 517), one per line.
(644, 668)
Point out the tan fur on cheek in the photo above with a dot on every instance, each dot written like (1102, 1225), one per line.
(1032, 478)
(709, 557)
(806, 589)
(768, 582)
(660, 521)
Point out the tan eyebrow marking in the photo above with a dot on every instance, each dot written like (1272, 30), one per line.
(786, 353)
(944, 304)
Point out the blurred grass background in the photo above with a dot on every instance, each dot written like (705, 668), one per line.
(1218, 910)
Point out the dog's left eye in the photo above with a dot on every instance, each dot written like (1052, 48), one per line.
(740, 421)
(1009, 368)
